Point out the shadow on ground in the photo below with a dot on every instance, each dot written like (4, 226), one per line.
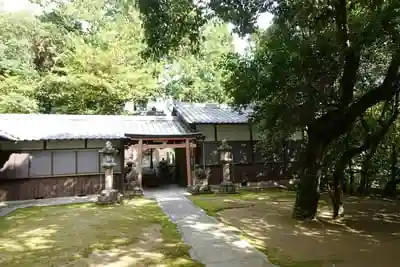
(368, 235)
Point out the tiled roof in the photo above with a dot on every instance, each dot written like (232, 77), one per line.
(57, 126)
(210, 113)
(4, 135)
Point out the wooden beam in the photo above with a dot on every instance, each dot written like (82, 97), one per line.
(188, 165)
(163, 138)
(162, 146)
(139, 168)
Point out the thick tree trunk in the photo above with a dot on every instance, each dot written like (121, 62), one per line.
(332, 125)
(308, 192)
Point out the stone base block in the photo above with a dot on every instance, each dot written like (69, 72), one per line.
(227, 187)
(199, 189)
(110, 196)
(135, 192)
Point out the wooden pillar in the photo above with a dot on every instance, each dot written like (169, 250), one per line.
(122, 163)
(139, 155)
(157, 156)
(188, 165)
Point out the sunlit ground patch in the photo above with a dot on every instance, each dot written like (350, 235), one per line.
(134, 234)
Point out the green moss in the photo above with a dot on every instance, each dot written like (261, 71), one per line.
(60, 235)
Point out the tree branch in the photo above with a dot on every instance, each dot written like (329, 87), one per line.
(335, 123)
(350, 55)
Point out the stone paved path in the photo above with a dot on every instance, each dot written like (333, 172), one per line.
(213, 244)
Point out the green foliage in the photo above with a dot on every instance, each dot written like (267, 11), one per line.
(198, 77)
(101, 64)
(86, 57)
(17, 69)
(170, 25)
(319, 67)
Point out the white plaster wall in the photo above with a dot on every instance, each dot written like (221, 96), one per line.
(101, 143)
(65, 144)
(233, 132)
(207, 131)
(256, 134)
(23, 145)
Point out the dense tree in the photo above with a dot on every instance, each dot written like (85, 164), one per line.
(87, 57)
(198, 77)
(18, 74)
(319, 67)
(100, 66)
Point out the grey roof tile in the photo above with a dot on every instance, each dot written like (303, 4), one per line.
(210, 113)
(58, 126)
(7, 136)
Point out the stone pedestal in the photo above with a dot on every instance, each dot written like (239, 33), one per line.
(226, 158)
(108, 196)
(108, 179)
(132, 186)
(133, 189)
(227, 186)
(200, 185)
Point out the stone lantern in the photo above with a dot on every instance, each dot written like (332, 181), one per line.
(226, 159)
(108, 195)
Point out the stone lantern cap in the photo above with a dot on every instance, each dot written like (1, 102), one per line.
(108, 153)
(225, 152)
(224, 147)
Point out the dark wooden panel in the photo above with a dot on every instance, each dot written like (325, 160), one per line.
(215, 174)
(254, 172)
(242, 152)
(210, 151)
(23, 189)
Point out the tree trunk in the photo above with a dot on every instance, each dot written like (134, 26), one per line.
(366, 166)
(308, 192)
(391, 186)
(336, 191)
(351, 178)
(393, 162)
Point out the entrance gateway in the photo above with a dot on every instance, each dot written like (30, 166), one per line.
(185, 140)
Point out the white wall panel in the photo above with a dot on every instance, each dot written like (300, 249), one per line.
(65, 144)
(22, 145)
(95, 143)
(233, 132)
(207, 130)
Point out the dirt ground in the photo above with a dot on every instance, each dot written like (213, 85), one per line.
(368, 235)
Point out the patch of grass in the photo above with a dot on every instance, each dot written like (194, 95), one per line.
(277, 194)
(63, 235)
(215, 205)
